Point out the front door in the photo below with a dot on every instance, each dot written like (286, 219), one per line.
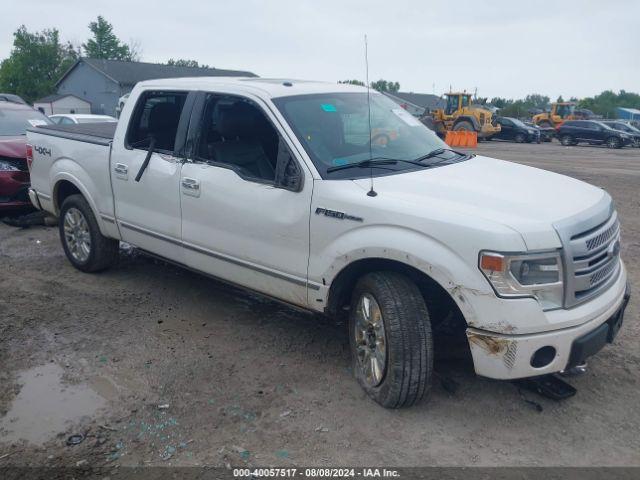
(147, 201)
(245, 204)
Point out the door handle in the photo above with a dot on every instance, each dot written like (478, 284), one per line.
(121, 170)
(190, 186)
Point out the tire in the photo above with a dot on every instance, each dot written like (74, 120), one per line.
(520, 138)
(86, 248)
(407, 360)
(613, 142)
(567, 140)
(464, 125)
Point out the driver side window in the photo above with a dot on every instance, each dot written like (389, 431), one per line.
(234, 133)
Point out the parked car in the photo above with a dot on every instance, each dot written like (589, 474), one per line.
(276, 186)
(15, 118)
(10, 97)
(627, 128)
(546, 133)
(592, 132)
(121, 101)
(73, 118)
(515, 130)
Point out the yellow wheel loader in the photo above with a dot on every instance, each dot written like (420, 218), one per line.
(461, 114)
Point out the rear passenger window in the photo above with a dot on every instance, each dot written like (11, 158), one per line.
(156, 116)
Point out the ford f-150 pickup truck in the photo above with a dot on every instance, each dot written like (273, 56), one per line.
(334, 199)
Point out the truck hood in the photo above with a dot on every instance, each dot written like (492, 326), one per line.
(526, 199)
(14, 147)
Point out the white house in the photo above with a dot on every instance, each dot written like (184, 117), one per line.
(66, 103)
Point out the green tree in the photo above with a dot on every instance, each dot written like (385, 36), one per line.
(36, 62)
(183, 62)
(353, 82)
(105, 44)
(385, 86)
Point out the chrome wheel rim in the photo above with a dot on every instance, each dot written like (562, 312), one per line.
(370, 340)
(76, 235)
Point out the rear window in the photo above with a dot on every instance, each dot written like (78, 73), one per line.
(157, 115)
(15, 122)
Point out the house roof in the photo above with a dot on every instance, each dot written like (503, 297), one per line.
(424, 100)
(130, 73)
(633, 111)
(56, 96)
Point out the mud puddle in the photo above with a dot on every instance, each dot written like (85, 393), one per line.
(46, 406)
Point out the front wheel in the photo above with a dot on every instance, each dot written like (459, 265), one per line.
(613, 142)
(390, 337)
(86, 248)
(520, 138)
(566, 140)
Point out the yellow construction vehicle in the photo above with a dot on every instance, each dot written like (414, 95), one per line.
(560, 111)
(461, 114)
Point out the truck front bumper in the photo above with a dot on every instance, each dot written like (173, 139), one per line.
(507, 357)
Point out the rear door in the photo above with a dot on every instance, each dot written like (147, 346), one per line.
(245, 201)
(148, 209)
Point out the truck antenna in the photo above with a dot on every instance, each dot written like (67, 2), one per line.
(371, 192)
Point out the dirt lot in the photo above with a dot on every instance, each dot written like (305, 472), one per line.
(159, 366)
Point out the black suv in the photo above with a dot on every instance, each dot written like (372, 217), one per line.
(514, 129)
(627, 128)
(573, 132)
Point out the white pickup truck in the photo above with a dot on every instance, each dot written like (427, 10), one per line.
(334, 199)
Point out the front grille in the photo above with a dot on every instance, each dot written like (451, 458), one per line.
(18, 163)
(591, 252)
(591, 255)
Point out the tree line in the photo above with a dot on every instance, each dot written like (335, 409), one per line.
(39, 59)
(604, 104)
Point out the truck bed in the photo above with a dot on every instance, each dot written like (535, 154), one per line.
(98, 133)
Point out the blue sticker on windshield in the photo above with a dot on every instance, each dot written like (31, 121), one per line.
(340, 161)
(327, 107)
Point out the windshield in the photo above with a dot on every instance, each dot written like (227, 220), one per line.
(518, 123)
(565, 110)
(334, 130)
(15, 122)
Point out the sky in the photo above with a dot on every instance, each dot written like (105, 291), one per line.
(501, 48)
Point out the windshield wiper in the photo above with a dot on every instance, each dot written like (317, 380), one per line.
(440, 151)
(374, 162)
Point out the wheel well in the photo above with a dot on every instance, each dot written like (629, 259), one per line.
(62, 190)
(445, 314)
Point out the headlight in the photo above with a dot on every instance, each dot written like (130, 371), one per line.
(536, 275)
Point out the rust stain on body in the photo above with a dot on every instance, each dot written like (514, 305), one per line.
(493, 345)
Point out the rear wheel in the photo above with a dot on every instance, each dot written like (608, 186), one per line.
(464, 126)
(566, 140)
(613, 142)
(86, 248)
(390, 336)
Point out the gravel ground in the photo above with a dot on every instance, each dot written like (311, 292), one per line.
(155, 365)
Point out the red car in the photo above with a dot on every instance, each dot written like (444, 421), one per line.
(15, 118)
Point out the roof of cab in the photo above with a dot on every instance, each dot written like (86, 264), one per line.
(270, 87)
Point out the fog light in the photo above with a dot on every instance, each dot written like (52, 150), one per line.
(543, 357)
